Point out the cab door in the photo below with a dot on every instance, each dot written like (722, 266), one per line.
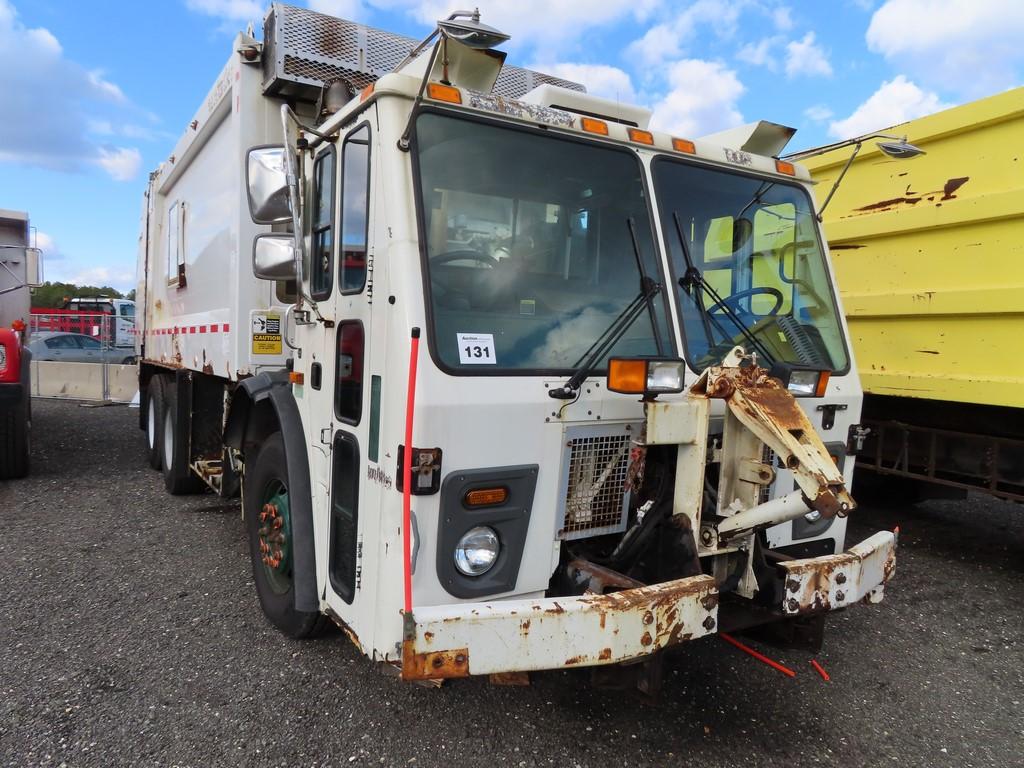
(337, 387)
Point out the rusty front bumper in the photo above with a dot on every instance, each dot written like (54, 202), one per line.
(825, 583)
(551, 633)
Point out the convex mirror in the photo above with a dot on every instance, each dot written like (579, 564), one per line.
(273, 257)
(267, 185)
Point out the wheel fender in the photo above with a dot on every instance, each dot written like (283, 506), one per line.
(276, 389)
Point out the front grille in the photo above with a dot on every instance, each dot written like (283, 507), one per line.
(594, 464)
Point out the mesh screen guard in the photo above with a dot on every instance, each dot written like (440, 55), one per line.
(304, 49)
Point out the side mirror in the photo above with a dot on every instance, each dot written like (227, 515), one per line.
(33, 267)
(273, 257)
(268, 185)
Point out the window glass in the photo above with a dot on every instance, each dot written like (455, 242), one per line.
(322, 272)
(348, 395)
(62, 342)
(173, 241)
(354, 209)
(344, 515)
(529, 248)
(89, 343)
(755, 242)
(127, 310)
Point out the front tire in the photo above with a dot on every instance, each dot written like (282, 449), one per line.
(14, 441)
(268, 522)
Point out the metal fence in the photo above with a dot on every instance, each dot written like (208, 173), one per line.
(82, 356)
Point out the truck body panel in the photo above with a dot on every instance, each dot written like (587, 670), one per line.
(929, 255)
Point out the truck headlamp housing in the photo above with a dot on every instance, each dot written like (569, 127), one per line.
(646, 376)
(808, 383)
(477, 551)
(3, 357)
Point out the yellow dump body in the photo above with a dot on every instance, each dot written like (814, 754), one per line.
(929, 255)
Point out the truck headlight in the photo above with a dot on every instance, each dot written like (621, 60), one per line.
(3, 357)
(649, 377)
(477, 551)
(808, 383)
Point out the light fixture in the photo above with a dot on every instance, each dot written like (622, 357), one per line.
(477, 551)
(898, 148)
(465, 26)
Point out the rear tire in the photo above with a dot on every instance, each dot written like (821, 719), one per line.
(14, 441)
(270, 542)
(178, 477)
(155, 422)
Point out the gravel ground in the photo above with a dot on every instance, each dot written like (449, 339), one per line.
(131, 635)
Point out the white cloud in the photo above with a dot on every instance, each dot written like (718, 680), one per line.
(970, 46)
(121, 163)
(818, 113)
(759, 54)
(545, 25)
(896, 101)
(232, 10)
(49, 103)
(667, 40)
(782, 18)
(343, 9)
(701, 100)
(115, 277)
(806, 57)
(599, 79)
(51, 250)
(105, 87)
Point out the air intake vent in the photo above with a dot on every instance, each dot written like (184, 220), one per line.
(303, 49)
(594, 496)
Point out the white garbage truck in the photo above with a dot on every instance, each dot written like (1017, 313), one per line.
(507, 380)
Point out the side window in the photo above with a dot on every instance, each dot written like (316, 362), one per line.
(176, 244)
(321, 275)
(348, 392)
(89, 343)
(354, 208)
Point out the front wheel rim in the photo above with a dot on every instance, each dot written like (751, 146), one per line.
(275, 536)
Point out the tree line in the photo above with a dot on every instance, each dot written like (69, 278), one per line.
(53, 295)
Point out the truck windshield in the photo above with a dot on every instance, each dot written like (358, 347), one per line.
(755, 241)
(528, 246)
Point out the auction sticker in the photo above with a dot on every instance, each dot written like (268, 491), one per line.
(266, 333)
(476, 348)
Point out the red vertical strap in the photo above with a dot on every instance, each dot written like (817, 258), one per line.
(410, 404)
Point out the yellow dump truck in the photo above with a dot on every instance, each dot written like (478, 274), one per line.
(929, 257)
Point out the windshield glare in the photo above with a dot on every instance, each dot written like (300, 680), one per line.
(756, 242)
(528, 247)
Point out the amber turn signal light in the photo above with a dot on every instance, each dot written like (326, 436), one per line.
(486, 497)
(590, 125)
(649, 377)
(448, 93)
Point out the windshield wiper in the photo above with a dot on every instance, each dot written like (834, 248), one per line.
(694, 278)
(611, 335)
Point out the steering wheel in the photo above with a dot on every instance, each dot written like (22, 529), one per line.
(731, 302)
(482, 258)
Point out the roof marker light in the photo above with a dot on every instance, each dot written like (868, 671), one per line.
(448, 93)
(366, 93)
(787, 168)
(684, 145)
(641, 137)
(590, 125)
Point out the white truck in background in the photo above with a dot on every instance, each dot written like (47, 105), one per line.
(20, 269)
(633, 363)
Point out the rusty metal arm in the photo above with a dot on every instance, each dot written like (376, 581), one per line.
(762, 405)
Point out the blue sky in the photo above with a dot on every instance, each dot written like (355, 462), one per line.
(94, 95)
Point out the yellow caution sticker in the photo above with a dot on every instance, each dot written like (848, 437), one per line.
(266, 334)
